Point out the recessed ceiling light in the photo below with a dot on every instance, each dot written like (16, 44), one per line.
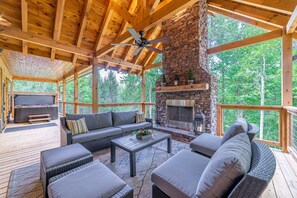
(4, 21)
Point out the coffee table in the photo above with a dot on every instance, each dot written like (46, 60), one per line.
(133, 145)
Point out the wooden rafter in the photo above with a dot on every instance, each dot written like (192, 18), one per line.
(160, 64)
(82, 27)
(24, 10)
(119, 62)
(58, 24)
(122, 12)
(43, 41)
(265, 16)
(170, 9)
(34, 79)
(281, 6)
(244, 19)
(292, 24)
(245, 42)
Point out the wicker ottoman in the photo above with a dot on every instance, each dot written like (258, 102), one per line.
(59, 160)
(91, 180)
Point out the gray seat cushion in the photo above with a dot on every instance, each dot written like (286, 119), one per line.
(178, 177)
(62, 155)
(93, 120)
(121, 118)
(206, 144)
(239, 126)
(134, 126)
(95, 180)
(226, 167)
(96, 134)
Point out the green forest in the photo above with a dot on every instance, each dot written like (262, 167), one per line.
(249, 75)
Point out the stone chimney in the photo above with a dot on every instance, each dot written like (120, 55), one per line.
(188, 49)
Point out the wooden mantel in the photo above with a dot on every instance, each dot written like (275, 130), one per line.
(193, 87)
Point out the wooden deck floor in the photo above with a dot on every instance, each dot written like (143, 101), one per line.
(19, 149)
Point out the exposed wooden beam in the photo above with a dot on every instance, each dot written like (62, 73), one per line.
(103, 26)
(292, 24)
(122, 12)
(43, 41)
(241, 18)
(34, 79)
(154, 6)
(160, 15)
(119, 62)
(265, 16)
(58, 24)
(281, 6)
(82, 26)
(245, 42)
(287, 97)
(159, 64)
(24, 10)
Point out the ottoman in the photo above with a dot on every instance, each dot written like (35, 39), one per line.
(91, 180)
(58, 160)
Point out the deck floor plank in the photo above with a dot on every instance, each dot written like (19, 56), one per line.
(20, 149)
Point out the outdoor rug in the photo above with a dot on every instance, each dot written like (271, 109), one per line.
(29, 127)
(25, 182)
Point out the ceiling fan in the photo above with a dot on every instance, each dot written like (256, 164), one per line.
(142, 42)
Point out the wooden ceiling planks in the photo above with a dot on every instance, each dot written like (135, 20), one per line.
(97, 32)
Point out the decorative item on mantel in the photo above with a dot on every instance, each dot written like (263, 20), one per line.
(199, 123)
(190, 77)
(163, 83)
(144, 134)
(176, 79)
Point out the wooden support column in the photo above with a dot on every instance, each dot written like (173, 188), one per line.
(220, 121)
(287, 96)
(95, 74)
(57, 93)
(1, 92)
(143, 92)
(64, 97)
(6, 99)
(12, 98)
(75, 92)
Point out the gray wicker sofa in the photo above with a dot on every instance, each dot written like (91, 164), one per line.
(103, 127)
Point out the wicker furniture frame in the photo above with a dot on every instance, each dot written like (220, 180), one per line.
(254, 182)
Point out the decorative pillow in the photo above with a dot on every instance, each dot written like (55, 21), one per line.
(140, 117)
(121, 118)
(226, 167)
(77, 126)
(239, 126)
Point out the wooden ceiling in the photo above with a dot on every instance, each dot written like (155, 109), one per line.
(78, 33)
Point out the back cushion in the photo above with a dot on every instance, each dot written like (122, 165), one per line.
(120, 118)
(93, 121)
(226, 167)
(239, 126)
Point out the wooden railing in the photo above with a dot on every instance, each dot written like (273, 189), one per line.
(283, 127)
(292, 130)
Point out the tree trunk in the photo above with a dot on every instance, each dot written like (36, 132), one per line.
(262, 94)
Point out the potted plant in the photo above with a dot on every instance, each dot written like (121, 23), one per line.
(190, 77)
(163, 83)
(144, 134)
(176, 80)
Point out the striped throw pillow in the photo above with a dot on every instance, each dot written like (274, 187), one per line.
(77, 126)
(140, 117)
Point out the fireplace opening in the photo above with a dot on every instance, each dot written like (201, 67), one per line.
(180, 114)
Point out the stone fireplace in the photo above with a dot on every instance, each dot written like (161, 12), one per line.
(187, 49)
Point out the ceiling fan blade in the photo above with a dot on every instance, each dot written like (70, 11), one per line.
(154, 49)
(134, 34)
(162, 39)
(137, 51)
(123, 44)
(4, 22)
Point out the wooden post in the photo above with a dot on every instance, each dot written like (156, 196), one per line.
(12, 98)
(219, 121)
(287, 96)
(75, 92)
(57, 93)
(64, 97)
(95, 74)
(143, 92)
(1, 94)
(6, 99)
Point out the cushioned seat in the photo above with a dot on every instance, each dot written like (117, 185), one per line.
(96, 134)
(206, 144)
(134, 126)
(91, 180)
(178, 177)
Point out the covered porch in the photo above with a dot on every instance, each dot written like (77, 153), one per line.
(62, 43)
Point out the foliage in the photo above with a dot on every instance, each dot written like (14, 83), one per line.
(163, 78)
(190, 74)
(29, 86)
